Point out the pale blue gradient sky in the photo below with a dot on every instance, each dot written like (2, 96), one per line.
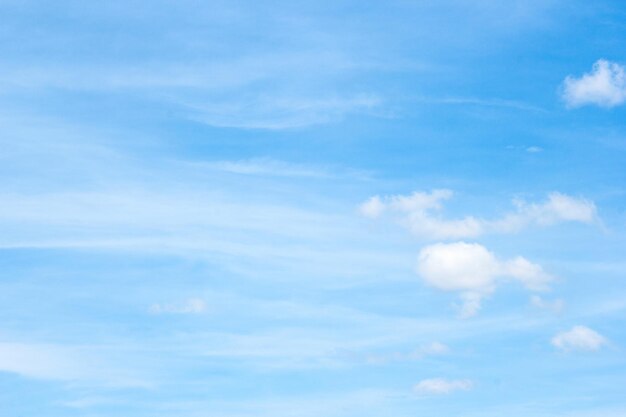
(181, 219)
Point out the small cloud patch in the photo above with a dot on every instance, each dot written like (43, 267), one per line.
(441, 386)
(579, 338)
(189, 306)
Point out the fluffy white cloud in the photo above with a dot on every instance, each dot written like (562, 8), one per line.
(474, 272)
(458, 267)
(189, 306)
(579, 338)
(442, 386)
(604, 86)
(420, 212)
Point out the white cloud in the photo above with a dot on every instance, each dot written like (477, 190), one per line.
(372, 208)
(458, 267)
(189, 306)
(556, 209)
(531, 275)
(442, 386)
(471, 303)
(579, 338)
(604, 86)
(420, 212)
(474, 272)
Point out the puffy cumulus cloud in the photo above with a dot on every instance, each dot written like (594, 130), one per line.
(604, 86)
(189, 306)
(442, 386)
(421, 213)
(474, 272)
(579, 338)
(458, 267)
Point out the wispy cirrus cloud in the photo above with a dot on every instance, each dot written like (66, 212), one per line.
(90, 365)
(266, 167)
(192, 305)
(277, 113)
(251, 91)
(483, 102)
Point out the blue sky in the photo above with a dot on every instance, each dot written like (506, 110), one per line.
(312, 208)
